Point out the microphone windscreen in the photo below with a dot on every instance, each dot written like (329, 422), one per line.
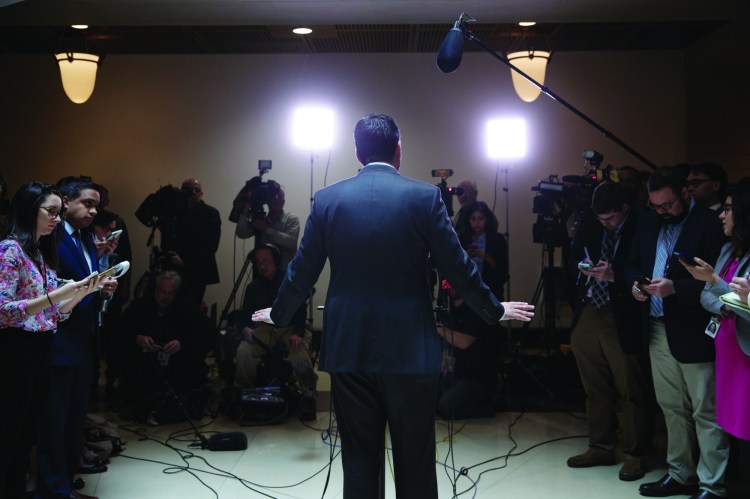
(451, 51)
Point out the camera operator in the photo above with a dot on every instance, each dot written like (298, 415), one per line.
(279, 228)
(198, 234)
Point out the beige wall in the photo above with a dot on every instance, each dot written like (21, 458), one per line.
(154, 120)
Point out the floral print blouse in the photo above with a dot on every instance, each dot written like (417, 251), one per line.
(20, 281)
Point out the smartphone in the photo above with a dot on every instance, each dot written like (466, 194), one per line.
(114, 235)
(584, 265)
(689, 260)
(643, 280)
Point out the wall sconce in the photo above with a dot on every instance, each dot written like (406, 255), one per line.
(78, 74)
(78, 71)
(534, 64)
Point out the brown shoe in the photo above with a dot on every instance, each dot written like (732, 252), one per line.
(592, 457)
(632, 469)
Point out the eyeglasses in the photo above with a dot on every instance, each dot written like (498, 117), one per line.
(52, 212)
(726, 208)
(662, 207)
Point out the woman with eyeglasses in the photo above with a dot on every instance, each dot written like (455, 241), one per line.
(32, 301)
(730, 324)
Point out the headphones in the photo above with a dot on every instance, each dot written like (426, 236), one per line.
(272, 248)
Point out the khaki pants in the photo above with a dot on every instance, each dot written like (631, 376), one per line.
(249, 355)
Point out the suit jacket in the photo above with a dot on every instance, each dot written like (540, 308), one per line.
(685, 320)
(76, 337)
(625, 308)
(378, 229)
(711, 293)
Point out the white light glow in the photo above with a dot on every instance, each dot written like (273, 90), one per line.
(301, 31)
(506, 138)
(312, 128)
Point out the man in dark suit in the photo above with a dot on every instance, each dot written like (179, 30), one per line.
(73, 349)
(379, 341)
(607, 339)
(198, 234)
(681, 353)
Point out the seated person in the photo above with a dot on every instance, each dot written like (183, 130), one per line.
(259, 338)
(472, 351)
(167, 334)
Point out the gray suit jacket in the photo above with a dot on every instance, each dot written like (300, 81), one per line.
(711, 293)
(378, 229)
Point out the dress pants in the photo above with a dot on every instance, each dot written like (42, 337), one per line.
(61, 427)
(23, 389)
(364, 403)
(697, 449)
(614, 382)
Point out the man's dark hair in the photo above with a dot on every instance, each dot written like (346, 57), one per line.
(667, 176)
(714, 173)
(607, 197)
(740, 195)
(376, 137)
(71, 187)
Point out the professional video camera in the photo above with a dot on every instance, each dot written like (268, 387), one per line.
(167, 202)
(256, 193)
(446, 192)
(556, 199)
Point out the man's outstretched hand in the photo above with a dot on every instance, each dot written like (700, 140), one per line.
(518, 311)
(263, 315)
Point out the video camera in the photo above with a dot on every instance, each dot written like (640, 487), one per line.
(167, 202)
(446, 192)
(556, 199)
(256, 193)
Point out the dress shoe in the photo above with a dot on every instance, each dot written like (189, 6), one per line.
(78, 483)
(592, 457)
(665, 487)
(632, 469)
(704, 494)
(90, 470)
(78, 495)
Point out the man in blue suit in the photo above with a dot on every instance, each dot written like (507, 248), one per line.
(379, 341)
(73, 349)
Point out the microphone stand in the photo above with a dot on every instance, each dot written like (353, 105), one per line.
(549, 93)
(218, 441)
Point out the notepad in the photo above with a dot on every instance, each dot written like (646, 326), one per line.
(733, 300)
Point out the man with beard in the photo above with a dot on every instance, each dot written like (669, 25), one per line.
(681, 353)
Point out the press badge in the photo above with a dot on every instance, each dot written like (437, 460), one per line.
(713, 327)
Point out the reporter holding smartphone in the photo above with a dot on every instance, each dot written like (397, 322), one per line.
(732, 325)
(32, 302)
(606, 338)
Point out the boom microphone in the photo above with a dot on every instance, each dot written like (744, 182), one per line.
(452, 49)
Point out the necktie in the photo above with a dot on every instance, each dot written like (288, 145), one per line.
(600, 289)
(79, 244)
(662, 257)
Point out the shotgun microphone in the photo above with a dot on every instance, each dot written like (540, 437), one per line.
(452, 49)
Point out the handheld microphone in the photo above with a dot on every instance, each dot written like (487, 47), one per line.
(452, 49)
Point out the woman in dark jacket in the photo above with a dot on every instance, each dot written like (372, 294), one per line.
(487, 248)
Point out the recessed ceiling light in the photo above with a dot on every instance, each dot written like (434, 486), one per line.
(79, 26)
(302, 31)
(527, 23)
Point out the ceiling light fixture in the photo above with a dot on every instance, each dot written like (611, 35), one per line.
(301, 31)
(78, 72)
(529, 52)
(534, 64)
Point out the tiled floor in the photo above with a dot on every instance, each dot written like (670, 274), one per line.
(290, 460)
